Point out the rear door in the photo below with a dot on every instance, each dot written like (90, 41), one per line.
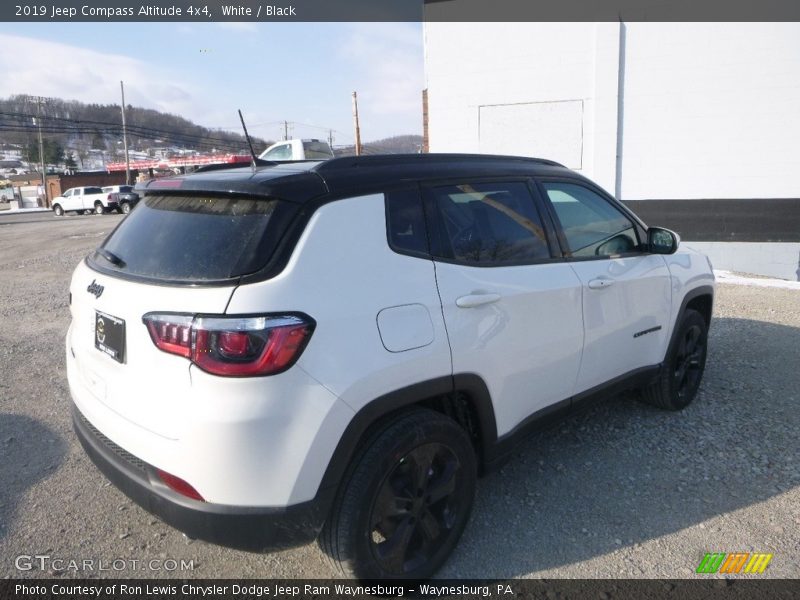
(512, 310)
(626, 291)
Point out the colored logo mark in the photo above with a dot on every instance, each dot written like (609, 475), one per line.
(736, 562)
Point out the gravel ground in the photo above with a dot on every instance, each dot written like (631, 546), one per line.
(623, 490)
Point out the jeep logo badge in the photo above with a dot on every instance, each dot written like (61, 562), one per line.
(95, 288)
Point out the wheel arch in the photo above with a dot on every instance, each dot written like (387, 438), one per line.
(464, 398)
(700, 299)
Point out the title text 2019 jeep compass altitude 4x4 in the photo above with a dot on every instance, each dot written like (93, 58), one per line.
(336, 349)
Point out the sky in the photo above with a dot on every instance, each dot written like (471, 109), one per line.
(300, 72)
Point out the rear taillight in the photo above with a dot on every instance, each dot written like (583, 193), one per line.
(233, 346)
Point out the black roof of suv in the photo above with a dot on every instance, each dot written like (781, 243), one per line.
(301, 181)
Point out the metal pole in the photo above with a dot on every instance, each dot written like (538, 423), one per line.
(41, 148)
(285, 130)
(355, 123)
(125, 138)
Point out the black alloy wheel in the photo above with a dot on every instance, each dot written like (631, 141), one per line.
(689, 361)
(405, 501)
(416, 508)
(683, 367)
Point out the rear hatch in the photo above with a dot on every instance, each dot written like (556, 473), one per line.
(175, 254)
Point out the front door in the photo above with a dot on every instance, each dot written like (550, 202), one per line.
(626, 291)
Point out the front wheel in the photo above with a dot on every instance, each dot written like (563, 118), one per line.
(126, 207)
(406, 501)
(683, 369)
(98, 209)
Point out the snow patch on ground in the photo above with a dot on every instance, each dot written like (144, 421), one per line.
(737, 279)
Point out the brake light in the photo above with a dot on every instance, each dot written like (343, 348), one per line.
(232, 346)
(171, 333)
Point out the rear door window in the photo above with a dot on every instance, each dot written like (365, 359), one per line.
(92, 190)
(194, 238)
(486, 224)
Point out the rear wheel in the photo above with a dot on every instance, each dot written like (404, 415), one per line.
(680, 378)
(58, 210)
(406, 501)
(98, 209)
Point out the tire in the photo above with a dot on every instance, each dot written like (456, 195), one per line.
(58, 210)
(405, 501)
(98, 209)
(126, 207)
(683, 369)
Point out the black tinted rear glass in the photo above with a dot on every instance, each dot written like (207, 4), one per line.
(193, 238)
(92, 190)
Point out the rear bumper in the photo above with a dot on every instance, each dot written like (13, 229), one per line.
(255, 529)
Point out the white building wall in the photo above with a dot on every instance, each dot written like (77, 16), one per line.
(527, 89)
(709, 110)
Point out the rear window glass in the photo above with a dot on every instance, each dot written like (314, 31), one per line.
(125, 188)
(194, 238)
(317, 150)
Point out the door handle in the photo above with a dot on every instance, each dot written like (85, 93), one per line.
(600, 283)
(473, 300)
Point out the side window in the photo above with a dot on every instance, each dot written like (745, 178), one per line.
(283, 152)
(68, 193)
(405, 222)
(487, 224)
(591, 224)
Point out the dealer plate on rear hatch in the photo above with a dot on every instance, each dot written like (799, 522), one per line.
(109, 335)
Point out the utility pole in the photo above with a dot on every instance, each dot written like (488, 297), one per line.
(330, 138)
(355, 123)
(285, 130)
(125, 138)
(41, 148)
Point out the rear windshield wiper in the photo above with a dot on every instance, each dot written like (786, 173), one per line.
(111, 257)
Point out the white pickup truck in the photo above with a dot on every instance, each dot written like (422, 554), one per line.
(311, 149)
(84, 199)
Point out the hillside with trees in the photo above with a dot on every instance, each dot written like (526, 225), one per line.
(83, 127)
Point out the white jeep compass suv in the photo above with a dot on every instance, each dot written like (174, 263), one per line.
(336, 349)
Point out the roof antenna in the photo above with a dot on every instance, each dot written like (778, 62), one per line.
(249, 142)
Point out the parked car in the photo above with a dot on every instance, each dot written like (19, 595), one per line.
(337, 349)
(123, 195)
(83, 199)
(311, 149)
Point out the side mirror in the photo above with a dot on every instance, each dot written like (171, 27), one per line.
(662, 241)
